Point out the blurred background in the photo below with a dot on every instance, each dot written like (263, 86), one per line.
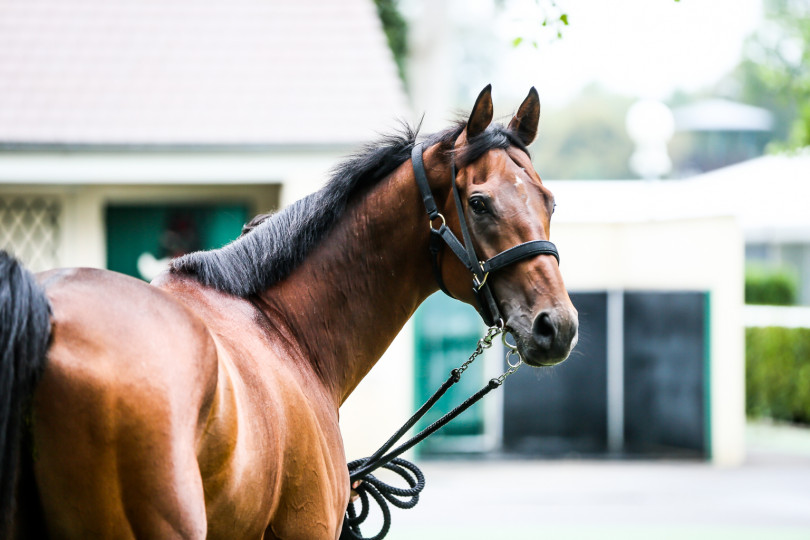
(674, 135)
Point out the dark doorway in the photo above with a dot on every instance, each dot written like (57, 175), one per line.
(665, 364)
(562, 410)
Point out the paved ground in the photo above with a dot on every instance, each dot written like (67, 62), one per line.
(767, 498)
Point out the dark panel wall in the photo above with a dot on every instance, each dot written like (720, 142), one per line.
(664, 349)
(562, 409)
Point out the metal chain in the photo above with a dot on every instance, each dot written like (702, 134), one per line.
(512, 367)
(485, 343)
(361, 469)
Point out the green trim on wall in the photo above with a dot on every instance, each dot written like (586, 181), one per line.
(445, 333)
(707, 374)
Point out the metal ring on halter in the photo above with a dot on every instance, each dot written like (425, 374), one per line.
(519, 359)
(512, 348)
(430, 222)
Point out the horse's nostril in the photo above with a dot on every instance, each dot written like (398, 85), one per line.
(544, 330)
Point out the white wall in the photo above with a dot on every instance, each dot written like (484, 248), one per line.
(85, 182)
(701, 254)
(82, 231)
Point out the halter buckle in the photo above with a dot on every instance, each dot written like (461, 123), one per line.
(479, 284)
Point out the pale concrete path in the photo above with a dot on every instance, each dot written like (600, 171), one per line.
(767, 498)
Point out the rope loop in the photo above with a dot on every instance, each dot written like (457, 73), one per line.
(382, 493)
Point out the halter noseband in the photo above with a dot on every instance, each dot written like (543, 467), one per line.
(466, 252)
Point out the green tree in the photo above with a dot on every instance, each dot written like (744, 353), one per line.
(554, 16)
(396, 31)
(775, 72)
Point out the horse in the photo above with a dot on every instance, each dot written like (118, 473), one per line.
(206, 403)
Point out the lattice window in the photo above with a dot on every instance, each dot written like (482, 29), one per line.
(29, 229)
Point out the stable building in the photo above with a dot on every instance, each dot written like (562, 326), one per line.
(140, 130)
(134, 131)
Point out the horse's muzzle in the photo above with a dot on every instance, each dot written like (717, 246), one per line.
(554, 334)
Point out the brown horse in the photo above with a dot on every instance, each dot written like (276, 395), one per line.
(206, 404)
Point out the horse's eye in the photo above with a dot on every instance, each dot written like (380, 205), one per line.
(478, 205)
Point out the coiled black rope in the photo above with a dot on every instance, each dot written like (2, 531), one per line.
(381, 492)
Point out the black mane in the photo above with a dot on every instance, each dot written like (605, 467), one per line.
(273, 245)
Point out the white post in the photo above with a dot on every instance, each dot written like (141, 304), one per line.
(615, 371)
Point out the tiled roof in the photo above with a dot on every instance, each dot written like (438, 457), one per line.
(194, 72)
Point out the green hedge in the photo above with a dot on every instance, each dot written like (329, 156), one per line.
(771, 286)
(777, 373)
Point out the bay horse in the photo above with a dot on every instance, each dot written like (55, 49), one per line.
(205, 404)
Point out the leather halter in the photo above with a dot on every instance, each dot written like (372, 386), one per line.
(466, 252)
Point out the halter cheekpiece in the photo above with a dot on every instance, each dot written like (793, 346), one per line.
(466, 252)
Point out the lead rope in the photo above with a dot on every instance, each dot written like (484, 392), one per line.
(366, 484)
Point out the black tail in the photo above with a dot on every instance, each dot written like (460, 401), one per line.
(24, 336)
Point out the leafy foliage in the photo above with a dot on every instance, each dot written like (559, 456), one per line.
(777, 373)
(775, 72)
(396, 31)
(553, 17)
(770, 286)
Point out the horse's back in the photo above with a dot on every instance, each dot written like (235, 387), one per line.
(120, 409)
(174, 411)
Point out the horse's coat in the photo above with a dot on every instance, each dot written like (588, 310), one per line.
(206, 404)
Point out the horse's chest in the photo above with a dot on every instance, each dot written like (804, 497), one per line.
(285, 468)
(313, 482)
(312, 501)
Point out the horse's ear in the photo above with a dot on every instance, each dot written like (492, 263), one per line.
(481, 115)
(524, 123)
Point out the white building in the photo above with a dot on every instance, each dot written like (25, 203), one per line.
(188, 103)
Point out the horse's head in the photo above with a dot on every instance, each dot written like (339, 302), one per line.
(505, 204)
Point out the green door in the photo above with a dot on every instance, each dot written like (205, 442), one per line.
(141, 238)
(447, 332)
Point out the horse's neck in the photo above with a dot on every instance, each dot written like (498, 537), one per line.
(354, 293)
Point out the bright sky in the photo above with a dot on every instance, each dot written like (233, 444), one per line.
(644, 48)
